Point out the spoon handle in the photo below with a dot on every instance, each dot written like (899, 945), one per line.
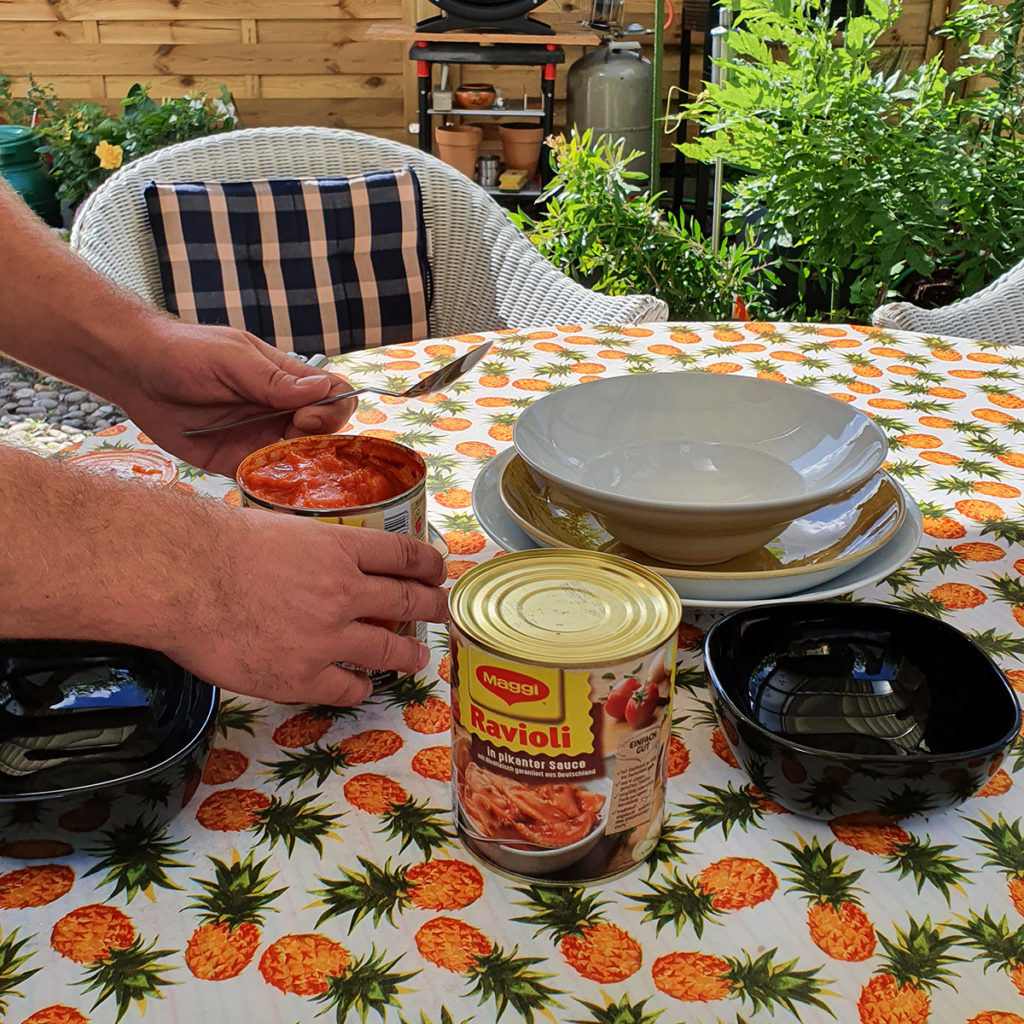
(268, 415)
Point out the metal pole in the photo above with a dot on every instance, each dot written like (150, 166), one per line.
(719, 49)
(656, 60)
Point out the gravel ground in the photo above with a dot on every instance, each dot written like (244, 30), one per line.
(40, 412)
(44, 413)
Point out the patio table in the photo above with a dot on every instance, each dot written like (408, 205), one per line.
(333, 825)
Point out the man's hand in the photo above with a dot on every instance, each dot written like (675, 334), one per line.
(256, 602)
(197, 376)
(300, 603)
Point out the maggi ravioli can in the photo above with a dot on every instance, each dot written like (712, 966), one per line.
(353, 481)
(562, 669)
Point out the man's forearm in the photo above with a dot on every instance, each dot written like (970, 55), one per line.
(60, 316)
(85, 557)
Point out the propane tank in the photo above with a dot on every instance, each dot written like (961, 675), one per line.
(610, 90)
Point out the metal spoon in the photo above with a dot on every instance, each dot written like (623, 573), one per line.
(511, 844)
(437, 381)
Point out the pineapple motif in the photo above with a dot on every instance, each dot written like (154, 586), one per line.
(422, 710)
(1004, 849)
(700, 978)
(234, 713)
(432, 885)
(120, 965)
(507, 979)
(375, 794)
(35, 886)
(729, 807)
(591, 946)
(914, 964)
(622, 1012)
(1000, 946)
(291, 821)
(371, 745)
(135, 857)
(308, 726)
(56, 1014)
(231, 910)
(837, 923)
(732, 883)
(433, 763)
(299, 766)
(302, 964)
(224, 765)
(417, 823)
(12, 960)
(881, 834)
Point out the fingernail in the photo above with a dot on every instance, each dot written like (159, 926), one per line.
(311, 383)
(424, 656)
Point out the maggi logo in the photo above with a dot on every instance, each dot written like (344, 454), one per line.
(511, 687)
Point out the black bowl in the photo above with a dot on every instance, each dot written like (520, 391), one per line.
(95, 734)
(837, 708)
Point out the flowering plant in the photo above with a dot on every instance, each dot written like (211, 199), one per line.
(84, 143)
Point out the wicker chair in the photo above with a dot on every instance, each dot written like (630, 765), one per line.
(486, 273)
(996, 313)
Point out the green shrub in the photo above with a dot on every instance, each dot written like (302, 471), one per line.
(602, 229)
(85, 144)
(863, 175)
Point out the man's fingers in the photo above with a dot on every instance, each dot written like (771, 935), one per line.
(339, 686)
(392, 600)
(397, 554)
(366, 644)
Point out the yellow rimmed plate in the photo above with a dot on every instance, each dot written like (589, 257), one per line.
(812, 550)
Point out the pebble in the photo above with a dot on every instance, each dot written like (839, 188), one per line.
(45, 414)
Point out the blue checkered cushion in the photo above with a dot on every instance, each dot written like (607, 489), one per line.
(318, 265)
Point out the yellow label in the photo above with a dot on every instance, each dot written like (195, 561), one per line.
(527, 708)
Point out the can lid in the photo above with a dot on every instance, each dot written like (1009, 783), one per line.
(565, 608)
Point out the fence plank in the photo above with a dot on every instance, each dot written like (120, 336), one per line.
(188, 10)
(200, 59)
(227, 32)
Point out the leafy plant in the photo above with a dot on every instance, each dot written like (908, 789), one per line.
(39, 105)
(604, 230)
(86, 144)
(864, 175)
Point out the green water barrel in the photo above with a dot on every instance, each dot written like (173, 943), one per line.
(21, 166)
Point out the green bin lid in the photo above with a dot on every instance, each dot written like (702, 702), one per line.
(17, 144)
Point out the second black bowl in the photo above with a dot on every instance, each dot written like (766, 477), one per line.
(96, 735)
(838, 708)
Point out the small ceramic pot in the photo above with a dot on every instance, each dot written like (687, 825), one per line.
(520, 145)
(457, 145)
(475, 96)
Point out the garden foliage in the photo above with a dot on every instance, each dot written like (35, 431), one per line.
(861, 175)
(603, 229)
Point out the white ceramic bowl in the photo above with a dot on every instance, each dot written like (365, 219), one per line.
(696, 468)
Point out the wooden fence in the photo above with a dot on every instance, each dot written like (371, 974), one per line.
(294, 61)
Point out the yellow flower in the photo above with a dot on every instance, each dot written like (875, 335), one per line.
(110, 156)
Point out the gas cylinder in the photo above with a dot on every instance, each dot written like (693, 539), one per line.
(610, 90)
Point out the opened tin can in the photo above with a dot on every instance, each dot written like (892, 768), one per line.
(353, 481)
(562, 673)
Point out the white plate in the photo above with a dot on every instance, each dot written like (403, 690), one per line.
(809, 552)
(501, 528)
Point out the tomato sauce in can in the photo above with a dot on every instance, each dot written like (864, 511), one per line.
(562, 671)
(353, 481)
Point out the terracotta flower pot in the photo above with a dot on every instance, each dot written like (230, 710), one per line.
(457, 145)
(520, 145)
(475, 96)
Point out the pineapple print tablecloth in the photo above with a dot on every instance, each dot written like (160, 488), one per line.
(315, 872)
